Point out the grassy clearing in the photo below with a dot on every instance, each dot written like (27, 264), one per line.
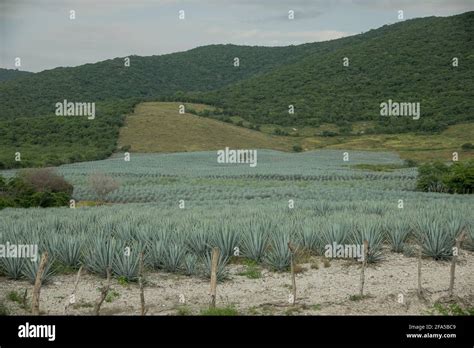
(158, 127)
(413, 146)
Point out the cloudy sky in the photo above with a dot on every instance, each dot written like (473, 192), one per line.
(42, 34)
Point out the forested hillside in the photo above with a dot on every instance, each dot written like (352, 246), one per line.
(200, 69)
(11, 74)
(411, 61)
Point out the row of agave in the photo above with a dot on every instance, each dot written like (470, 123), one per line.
(98, 241)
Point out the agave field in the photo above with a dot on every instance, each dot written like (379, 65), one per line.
(311, 200)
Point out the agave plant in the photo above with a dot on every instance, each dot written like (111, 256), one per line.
(372, 232)
(173, 257)
(254, 244)
(100, 254)
(68, 250)
(127, 261)
(321, 208)
(156, 254)
(198, 241)
(436, 239)
(469, 243)
(226, 239)
(30, 270)
(398, 232)
(206, 263)
(12, 267)
(335, 232)
(309, 238)
(190, 264)
(279, 256)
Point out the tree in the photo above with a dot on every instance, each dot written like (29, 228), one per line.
(102, 185)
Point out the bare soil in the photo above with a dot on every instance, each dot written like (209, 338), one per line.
(320, 291)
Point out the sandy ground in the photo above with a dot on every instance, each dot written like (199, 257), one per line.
(322, 291)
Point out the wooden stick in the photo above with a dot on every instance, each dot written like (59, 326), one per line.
(25, 295)
(72, 298)
(37, 287)
(214, 262)
(103, 294)
(293, 275)
(420, 291)
(364, 264)
(459, 240)
(141, 283)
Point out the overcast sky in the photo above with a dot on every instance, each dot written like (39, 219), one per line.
(42, 34)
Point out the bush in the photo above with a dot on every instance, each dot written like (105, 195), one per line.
(328, 133)
(279, 131)
(460, 178)
(46, 180)
(35, 188)
(297, 148)
(102, 185)
(411, 163)
(430, 177)
(438, 177)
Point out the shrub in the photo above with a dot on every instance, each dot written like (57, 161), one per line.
(102, 185)
(46, 180)
(328, 133)
(35, 188)
(297, 148)
(410, 163)
(279, 131)
(438, 177)
(467, 146)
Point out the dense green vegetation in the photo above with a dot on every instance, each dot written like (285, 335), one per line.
(28, 123)
(35, 188)
(439, 177)
(409, 61)
(11, 74)
(53, 140)
(199, 69)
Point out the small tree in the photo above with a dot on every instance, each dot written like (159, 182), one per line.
(102, 185)
(46, 179)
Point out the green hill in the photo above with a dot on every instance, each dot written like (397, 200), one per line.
(28, 123)
(12, 74)
(410, 61)
(199, 69)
